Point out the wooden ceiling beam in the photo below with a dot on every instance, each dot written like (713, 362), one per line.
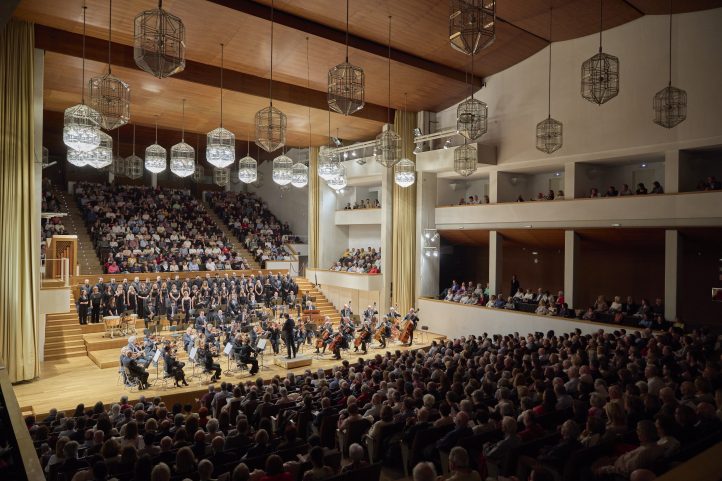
(317, 29)
(69, 43)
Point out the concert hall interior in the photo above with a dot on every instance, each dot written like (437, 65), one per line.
(300, 240)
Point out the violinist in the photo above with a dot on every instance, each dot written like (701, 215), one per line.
(173, 367)
(412, 320)
(246, 355)
(206, 356)
(136, 370)
(188, 339)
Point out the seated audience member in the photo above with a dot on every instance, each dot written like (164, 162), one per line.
(356, 456)
(495, 452)
(594, 193)
(625, 190)
(459, 466)
(319, 471)
(641, 189)
(644, 457)
(611, 192)
(560, 195)
(657, 188)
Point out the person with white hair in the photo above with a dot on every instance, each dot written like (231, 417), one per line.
(161, 472)
(356, 455)
(424, 471)
(459, 466)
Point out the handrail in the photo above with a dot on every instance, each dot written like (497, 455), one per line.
(347, 273)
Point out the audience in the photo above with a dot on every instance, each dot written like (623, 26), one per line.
(146, 229)
(474, 200)
(365, 261)
(249, 218)
(363, 204)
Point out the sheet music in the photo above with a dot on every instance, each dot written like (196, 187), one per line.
(156, 356)
(228, 349)
(193, 353)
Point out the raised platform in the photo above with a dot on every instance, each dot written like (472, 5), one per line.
(298, 361)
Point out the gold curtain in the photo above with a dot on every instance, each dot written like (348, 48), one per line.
(314, 189)
(404, 224)
(19, 249)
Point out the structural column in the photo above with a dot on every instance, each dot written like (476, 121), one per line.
(672, 251)
(426, 266)
(496, 242)
(671, 171)
(494, 187)
(570, 172)
(572, 250)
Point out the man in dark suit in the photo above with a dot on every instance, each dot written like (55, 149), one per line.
(461, 430)
(200, 320)
(326, 410)
(288, 326)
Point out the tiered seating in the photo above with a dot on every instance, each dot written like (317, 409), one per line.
(249, 218)
(145, 229)
(365, 261)
(565, 404)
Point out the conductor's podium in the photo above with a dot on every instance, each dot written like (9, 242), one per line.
(298, 361)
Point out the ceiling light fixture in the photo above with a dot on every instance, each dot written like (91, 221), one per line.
(220, 142)
(389, 142)
(600, 73)
(549, 132)
(182, 155)
(346, 84)
(133, 163)
(270, 122)
(155, 155)
(159, 42)
(472, 24)
(670, 103)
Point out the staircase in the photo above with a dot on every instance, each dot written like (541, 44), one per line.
(88, 261)
(63, 335)
(235, 241)
(322, 304)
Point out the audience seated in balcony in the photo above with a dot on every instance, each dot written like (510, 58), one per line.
(540, 196)
(146, 229)
(251, 221)
(637, 400)
(364, 261)
(474, 200)
(363, 204)
(711, 183)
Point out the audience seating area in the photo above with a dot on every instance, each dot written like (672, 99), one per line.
(584, 407)
(249, 218)
(627, 313)
(363, 204)
(146, 229)
(363, 261)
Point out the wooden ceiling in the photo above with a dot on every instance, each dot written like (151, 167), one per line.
(424, 65)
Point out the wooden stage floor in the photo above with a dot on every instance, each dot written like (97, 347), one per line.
(64, 384)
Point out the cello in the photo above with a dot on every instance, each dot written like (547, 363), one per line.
(322, 340)
(336, 341)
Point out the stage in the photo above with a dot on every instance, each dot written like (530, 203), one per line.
(64, 384)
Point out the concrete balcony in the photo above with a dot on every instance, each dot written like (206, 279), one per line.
(358, 217)
(346, 280)
(667, 210)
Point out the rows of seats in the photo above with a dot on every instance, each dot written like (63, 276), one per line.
(252, 222)
(153, 229)
(358, 259)
(578, 407)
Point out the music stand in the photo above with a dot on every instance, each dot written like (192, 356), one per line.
(424, 333)
(228, 351)
(155, 359)
(261, 349)
(192, 358)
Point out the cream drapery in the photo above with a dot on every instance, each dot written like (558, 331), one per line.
(404, 224)
(314, 189)
(19, 250)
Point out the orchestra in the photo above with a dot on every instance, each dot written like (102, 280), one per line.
(242, 310)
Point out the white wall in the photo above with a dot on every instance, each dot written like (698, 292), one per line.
(517, 104)
(451, 190)
(331, 237)
(455, 320)
(602, 176)
(364, 236)
(288, 206)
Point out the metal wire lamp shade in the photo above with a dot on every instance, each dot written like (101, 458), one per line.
(282, 172)
(133, 167)
(221, 177)
(159, 42)
(549, 135)
(465, 160)
(81, 130)
(118, 166)
(247, 169)
(78, 158)
(155, 158)
(198, 174)
(405, 173)
(182, 159)
(102, 156)
(346, 88)
(472, 24)
(338, 181)
(471, 118)
(110, 96)
(670, 107)
(327, 163)
(270, 128)
(299, 175)
(600, 78)
(388, 147)
(220, 147)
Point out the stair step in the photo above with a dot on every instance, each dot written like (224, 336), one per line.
(65, 343)
(60, 356)
(53, 351)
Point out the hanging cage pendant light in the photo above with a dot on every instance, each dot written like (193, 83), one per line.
(338, 181)
(299, 172)
(282, 172)
(346, 84)
(159, 42)
(472, 24)
(155, 155)
(600, 73)
(388, 141)
(405, 169)
(81, 123)
(221, 177)
(472, 114)
(549, 132)
(670, 103)
(270, 122)
(247, 166)
(465, 159)
(118, 161)
(109, 95)
(328, 159)
(182, 155)
(102, 156)
(221, 143)
(133, 163)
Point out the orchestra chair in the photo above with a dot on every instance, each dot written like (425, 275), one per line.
(162, 376)
(131, 381)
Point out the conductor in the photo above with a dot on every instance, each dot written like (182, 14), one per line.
(288, 326)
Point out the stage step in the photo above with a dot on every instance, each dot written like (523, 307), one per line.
(105, 359)
(51, 344)
(91, 328)
(97, 342)
(61, 329)
(63, 335)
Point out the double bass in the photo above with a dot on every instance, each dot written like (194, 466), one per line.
(406, 331)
